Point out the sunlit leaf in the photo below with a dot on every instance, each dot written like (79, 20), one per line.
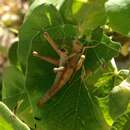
(87, 14)
(119, 99)
(119, 15)
(8, 120)
(122, 122)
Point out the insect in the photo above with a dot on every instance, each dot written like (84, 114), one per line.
(67, 65)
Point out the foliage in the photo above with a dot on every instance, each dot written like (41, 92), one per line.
(97, 96)
(9, 121)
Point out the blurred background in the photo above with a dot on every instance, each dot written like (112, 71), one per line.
(12, 13)
(11, 17)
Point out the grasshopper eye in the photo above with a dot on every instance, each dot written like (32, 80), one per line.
(63, 50)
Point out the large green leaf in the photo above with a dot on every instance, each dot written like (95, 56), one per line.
(72, 108)
(40, 16)
(86, 14)
(119, 15)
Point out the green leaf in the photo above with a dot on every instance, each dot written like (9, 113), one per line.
(8, 120)
(86, 14)
(103, 103)
(5, 125)
(119, 99)
(40, 16)
(122, 122)
(102, 53)
(118, 12)
(106, 82)
(104, 85)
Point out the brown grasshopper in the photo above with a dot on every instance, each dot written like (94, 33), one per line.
(67, 66)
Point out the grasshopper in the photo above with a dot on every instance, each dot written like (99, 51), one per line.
(67, 65)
